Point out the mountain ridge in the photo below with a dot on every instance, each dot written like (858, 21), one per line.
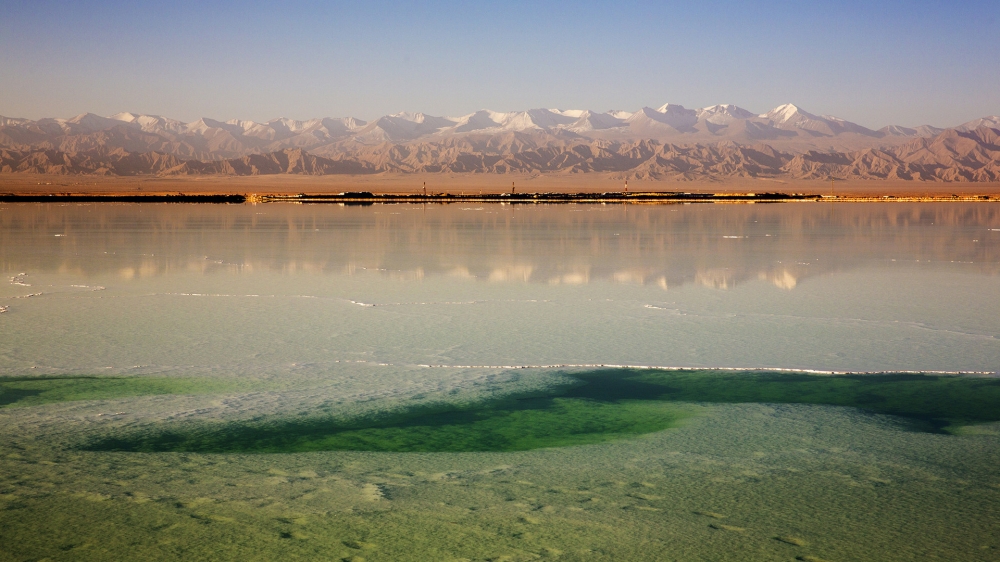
(787, 126)
(952, 155)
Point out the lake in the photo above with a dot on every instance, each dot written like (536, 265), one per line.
(811, 381)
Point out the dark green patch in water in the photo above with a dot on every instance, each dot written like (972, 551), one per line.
(33, 391)
(601, 406)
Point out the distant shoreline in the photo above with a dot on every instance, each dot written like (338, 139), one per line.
(472, 187)
(369, 198)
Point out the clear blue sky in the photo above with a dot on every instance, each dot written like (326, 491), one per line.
(875, 63)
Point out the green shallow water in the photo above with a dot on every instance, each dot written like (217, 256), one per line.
(601, 406)
(34, 391)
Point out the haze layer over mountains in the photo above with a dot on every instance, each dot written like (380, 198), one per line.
(670, 142)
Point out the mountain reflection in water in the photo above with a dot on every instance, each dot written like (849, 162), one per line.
(718, 246)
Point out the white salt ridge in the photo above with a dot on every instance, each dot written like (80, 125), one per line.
(674, 310)
(367, 304)
(691, 369)
(359, 303)
(233, 295)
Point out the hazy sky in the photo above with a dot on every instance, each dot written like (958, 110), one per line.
(875, 63)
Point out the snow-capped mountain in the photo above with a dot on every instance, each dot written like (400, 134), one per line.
(952, 155)
(992, 121)
(723, 114)
(788, 126)
(792, 117)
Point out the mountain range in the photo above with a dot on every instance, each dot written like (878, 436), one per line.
(670, 142)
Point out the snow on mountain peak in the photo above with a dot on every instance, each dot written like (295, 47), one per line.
(591, 121)
(785, 113)
(620, 114)
(290, 125)
(992, 121)
(124, 116)
(723, 113)
(532, 119)
(675, 116)
(673, 108)
(574, 113)
(518, 121)
(408, 116)
(669, 121)
(13, 121)
(246, 125)
(89, 122)
(726, 108)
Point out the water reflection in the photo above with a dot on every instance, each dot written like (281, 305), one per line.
(719, 246)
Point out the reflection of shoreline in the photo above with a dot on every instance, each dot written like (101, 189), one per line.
(712, 246)
(548, 197)
(522, 273)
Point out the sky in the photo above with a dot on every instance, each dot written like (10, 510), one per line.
(876, 62)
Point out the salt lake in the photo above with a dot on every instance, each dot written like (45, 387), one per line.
(811, 381)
